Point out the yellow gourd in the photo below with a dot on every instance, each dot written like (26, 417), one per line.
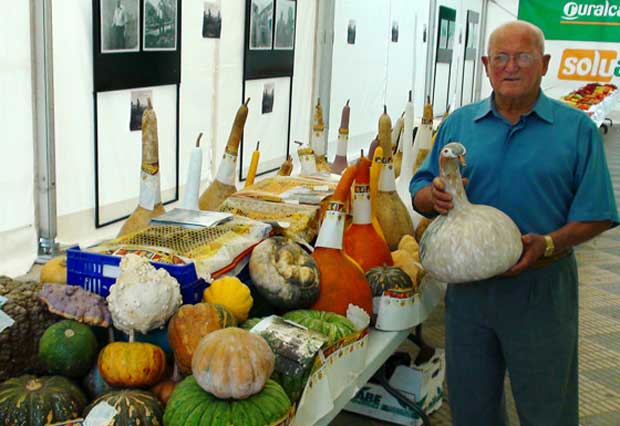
(405, 261)
(253, 167)
(55, 270)
(410, 245)
(233, 294)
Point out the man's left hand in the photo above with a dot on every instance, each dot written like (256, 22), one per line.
(533, 249)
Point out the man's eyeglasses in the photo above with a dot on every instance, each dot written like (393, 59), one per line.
(522, 59)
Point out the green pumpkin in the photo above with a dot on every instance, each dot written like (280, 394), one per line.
(330, 324)
(190, 405)
(94, 384)
(293, 385)
(384, 278)
(68, 348)
(134, 408)
(226, 318)
(250, 323)
(37, 401)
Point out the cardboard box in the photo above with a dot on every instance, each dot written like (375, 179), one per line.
(423, 384)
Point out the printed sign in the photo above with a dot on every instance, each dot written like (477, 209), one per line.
(587, 20)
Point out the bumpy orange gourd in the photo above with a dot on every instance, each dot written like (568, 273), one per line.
(232, 363)
(342, 280)
(132, 364)
(361, 241)
(185, 329)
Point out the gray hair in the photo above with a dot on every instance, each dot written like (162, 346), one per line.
(536, 32)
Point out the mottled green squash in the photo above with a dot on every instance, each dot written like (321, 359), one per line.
(37, 401)
(134, 408)
(68, 348)
(330, 324)
(384, 278)
(189, 405)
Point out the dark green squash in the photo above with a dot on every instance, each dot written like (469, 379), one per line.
(94, 384)
(134, 408)
(37, 401)
(251, 322)
(190, 405)
(68, 348)
(330, 324)
(384, 278)
(284, 273)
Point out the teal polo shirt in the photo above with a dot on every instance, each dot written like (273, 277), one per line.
(546, 170)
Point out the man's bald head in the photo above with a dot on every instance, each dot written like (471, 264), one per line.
(527, 29)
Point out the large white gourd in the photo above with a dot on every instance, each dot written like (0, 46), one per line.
(473, 241)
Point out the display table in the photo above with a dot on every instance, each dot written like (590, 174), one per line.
(381, 344)
(331, 388)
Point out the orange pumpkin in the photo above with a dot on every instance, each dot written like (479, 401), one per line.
(361, 240)
(185, 329)
(342, 280)
(232, 363)
(132, 364)
(163, 390)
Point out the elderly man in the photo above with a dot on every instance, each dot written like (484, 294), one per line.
(542, 163)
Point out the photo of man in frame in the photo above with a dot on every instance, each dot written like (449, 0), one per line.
(160, 24)
(119, 26)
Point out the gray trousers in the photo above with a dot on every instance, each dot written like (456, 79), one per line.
(526, 325)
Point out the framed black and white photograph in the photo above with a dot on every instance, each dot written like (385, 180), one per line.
(120, 26)
(211, 20)
(139, 101)
(160, 25)
(285, 24)
(267, 104)
(395, 32)
(351, 32)
(261, 24)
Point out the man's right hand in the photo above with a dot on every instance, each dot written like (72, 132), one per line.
(442, 200)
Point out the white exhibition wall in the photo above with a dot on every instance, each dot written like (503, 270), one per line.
(18, 239)
(210, 94)
(372, 72)
(375, 71)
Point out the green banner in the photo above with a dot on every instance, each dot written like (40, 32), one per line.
(584, 20)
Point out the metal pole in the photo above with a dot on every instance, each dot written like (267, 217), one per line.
(324, 48)
(481, 41)
(43, 128)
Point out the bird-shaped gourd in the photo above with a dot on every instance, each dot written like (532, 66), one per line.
(473, 241)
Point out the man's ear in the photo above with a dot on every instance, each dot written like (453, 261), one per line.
(545, 60)
(485, 62)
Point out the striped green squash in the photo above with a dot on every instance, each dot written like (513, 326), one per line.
(190, 405)
(36, 401)
(384, 278)
(134, 408)
(330, 324)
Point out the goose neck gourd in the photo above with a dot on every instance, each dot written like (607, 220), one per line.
(473, 241)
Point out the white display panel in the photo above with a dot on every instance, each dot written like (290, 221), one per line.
(120, 149)
(270, 128)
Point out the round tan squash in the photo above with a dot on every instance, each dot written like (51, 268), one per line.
(185, 329)
(232, 363)
(132, 364)
(55, 271)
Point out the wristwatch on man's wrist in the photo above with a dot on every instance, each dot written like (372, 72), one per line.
(549, 246)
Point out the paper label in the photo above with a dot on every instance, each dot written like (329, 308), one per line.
(150, 194)
(341, 148)
(361, 205)
(226, 172)
(5, 321)
(332, 228)
(387, 181)
(308, 164)
(102, 414)
(319, 143)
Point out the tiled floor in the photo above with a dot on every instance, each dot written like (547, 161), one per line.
(599, 326)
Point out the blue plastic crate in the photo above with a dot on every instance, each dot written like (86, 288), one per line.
(97, 272)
